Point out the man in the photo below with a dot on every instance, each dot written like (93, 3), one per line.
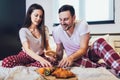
(73, 37)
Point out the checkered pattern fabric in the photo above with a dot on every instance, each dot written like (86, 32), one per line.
(22, 59)
(101, 50)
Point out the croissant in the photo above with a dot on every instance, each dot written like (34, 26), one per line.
(63, 73)
(45, 71)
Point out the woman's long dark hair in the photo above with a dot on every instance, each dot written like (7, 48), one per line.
(41, 25)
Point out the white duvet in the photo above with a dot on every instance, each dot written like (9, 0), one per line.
(28, 73)
(19, 73)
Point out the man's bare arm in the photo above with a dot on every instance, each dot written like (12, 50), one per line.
(59, 51)
(83, 47)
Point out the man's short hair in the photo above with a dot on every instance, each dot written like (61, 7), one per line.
(67, 8)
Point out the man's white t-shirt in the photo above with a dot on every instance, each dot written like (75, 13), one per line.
(71, 44)
(35, 43)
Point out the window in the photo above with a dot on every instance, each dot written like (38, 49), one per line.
(93, 11)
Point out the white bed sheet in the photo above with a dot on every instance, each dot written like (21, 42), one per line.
(93, 74)
(28, 73)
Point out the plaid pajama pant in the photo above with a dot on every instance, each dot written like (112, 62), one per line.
(101, 50)
(22, 59)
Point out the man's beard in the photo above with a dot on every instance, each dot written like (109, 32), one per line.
(66, 28)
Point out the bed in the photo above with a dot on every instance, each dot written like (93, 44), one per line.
(29, 73)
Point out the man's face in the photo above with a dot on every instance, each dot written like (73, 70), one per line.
(66, 20)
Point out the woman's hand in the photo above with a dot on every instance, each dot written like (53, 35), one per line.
(45, 63)
(66, 62)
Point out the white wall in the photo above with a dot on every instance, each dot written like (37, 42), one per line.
(101, 28)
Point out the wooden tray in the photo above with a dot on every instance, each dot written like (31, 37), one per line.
(54, 78)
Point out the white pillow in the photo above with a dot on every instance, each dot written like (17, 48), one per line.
(94, 38)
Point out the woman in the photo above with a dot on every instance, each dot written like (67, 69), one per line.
(34, 39)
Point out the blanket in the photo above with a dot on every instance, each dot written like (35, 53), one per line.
(28, 73)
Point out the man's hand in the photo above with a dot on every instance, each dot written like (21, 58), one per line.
(66, 62)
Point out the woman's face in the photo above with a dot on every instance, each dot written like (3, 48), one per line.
(36, 16)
